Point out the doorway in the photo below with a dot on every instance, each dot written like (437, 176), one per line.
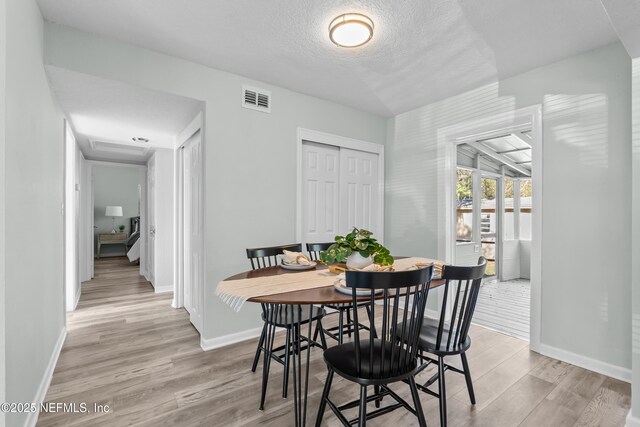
(491, 163)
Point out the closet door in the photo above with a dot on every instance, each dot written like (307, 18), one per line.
(320, 192)
(151, 219)
(193, 230)
(359, 192)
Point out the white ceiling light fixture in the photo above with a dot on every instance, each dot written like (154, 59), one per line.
(351, 30)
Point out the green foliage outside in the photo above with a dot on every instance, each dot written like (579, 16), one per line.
(464, 190)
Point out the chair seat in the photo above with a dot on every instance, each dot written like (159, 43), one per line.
(285, 320)
(342, 359)
(429, 338)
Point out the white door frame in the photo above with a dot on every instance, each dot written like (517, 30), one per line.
(343, 142)
(448, 140)
(197, 124)
(142, 181)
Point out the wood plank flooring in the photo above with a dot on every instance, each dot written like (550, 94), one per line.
(504, 307)
(127, 348)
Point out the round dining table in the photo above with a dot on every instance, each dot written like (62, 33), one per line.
(294, 301)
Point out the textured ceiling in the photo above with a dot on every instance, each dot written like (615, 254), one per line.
(422, 50)
(113, 112)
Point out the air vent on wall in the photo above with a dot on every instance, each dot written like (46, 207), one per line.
(256, 99)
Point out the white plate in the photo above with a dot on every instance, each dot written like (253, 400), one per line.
(359, 292)
(298, 267)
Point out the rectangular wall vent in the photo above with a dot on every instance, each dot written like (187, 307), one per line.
(256, 99)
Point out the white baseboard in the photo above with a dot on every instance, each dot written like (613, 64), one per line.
(632, 421)
(225, 340)
(77, 299)
(113, 255)
(32, 417)
(604, 368)
(163, 289)
(434, 314)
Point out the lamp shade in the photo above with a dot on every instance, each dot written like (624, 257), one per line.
(113, 211)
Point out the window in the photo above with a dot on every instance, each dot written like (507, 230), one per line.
(509, 220)
(464, 208)
(525, 209)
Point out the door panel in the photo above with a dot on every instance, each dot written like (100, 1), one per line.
(359, 189)
(320, 192)
(193, 230)
(151, 219)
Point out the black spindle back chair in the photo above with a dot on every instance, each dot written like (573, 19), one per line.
(268, 257)
(449, 334)
(379, 359)
(314, 249)
(337, 332)
(278, 316)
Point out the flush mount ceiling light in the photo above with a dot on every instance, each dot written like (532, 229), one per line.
(140, 140)
(351, 30)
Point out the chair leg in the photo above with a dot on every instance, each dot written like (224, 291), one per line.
(315, 334)
(325, 396)
(340, 325)
(376, 390)
(416, 402)
(442, 392)
(362, 419)
(349, 322)
(467, 377)
(259, 349)
(287, 357)
(320, 329)
(270, 335)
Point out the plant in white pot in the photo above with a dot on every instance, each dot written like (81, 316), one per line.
(358, 248)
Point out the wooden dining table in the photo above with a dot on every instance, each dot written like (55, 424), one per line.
(295, 300)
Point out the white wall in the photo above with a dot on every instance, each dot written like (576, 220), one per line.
(33, 173)
(635, 319)
(511, 259)
(114, 185)
(164, 220)
(525, 259)
(250, 156)
(3, 56)
(586, 121)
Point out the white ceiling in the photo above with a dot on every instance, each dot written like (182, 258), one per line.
(105, 111)
(422, 51)
(625, 17)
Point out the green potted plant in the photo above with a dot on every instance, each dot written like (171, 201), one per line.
(358, 248)
(121, 228)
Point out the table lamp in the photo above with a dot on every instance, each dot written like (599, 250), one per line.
(113, 212)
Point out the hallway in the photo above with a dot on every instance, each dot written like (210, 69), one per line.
(121, 344)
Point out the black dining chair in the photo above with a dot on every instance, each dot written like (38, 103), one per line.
(449, 335)
(381, 359)
(279, 316)
(343, 310)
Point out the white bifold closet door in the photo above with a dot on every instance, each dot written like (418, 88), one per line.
(340, 190)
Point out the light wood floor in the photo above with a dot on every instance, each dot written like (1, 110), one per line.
(127, 348)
